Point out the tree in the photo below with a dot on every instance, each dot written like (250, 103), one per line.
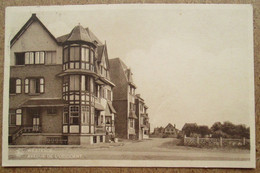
(229, 130)
(216, 126)
(190, 128)
(203, 130)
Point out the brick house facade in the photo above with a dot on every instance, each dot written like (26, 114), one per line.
(60, 88)
(124, 99)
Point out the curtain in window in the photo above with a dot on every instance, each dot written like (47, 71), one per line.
(74, 82)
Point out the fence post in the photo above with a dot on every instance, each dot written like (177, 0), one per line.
(220, 142)
(198, 140)
(244, 141)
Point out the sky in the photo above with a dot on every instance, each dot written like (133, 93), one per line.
(190, 63)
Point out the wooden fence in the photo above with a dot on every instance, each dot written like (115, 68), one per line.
(215, 142)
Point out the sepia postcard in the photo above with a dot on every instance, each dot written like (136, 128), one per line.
(140, 85)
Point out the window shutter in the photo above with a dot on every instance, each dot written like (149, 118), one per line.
(27, 58)
(18, 86)
(26, 86)
(31, 58)
(41, 85)
(37, 57)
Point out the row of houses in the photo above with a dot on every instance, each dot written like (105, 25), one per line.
(66, 90)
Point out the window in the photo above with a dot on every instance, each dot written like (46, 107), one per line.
(51, 57)
(18, 117)
(15, 117)
(74, 57)
(65, 115)
(131, 122)
(15, 86)
(91, 85)
(84, 83)
(109, 95)
(91, 57)
(74, 82)
(85, 114)
(34, 85)
(19, 58)
(65, 87)
(108, 120)
(65, 58)
(51, 110)
(102, 119)
(97, 90)
(12, 117)
(74, 114)
(34, 57)
(92, 115)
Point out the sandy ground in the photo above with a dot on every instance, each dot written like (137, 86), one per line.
(151, 149)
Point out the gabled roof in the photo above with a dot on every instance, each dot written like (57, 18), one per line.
(127, 71)
(33, 19)
(102, 50)
(169, 126)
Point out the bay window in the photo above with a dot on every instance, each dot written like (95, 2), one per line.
(74, 57)
(65, 59)
(77, 57)
(85, 114)
(65, 87)
(74, 115)
(84, 83)
(74, 82)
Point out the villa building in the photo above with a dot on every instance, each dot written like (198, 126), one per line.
(124, 99)
(142, 126)
(60, 88)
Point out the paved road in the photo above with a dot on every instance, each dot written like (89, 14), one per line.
(152, 149)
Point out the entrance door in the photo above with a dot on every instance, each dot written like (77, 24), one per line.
(36, 124)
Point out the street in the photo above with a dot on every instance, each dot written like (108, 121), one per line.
(151, 149)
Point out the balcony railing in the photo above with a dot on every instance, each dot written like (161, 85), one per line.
(26, 129)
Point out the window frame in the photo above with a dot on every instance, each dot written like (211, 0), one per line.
(53, 57)
(13, 113)
(72, 117)
(16, 57)
(33, 56)
(16, 85)
(41, 87)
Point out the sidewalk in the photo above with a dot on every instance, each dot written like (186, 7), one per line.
(92, 146)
